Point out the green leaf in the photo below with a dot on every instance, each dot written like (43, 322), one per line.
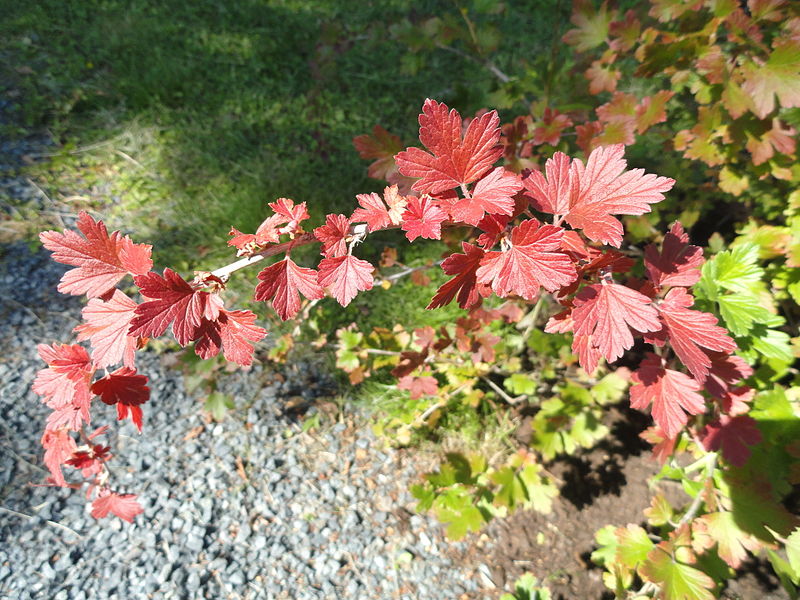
(425, 495)
(510, 489)
(217, 404)
(735, 270)
(519, 384)
(772, 343)
(592, 27)
(527, 588)
(540, 490)
(678, 581)
(311, 422)
(455, 509)
(634, 545)
(609, 389)
(785, 573)
(756, 508)
(606, 539)
(741, 311)
(793, 552)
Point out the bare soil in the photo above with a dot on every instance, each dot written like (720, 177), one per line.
(605, 485)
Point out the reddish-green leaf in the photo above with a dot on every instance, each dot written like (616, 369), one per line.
(779, 76)
(720, 529)
(382, 146)
(591, 25)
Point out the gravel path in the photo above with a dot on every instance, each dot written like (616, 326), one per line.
(247, 508)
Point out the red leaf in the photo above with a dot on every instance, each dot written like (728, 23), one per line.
(603, 188)
(333, 235)
(663, 446)
(454, 161)
(127, 389)
(733, 435)
(267, 233)
(65, 381)
(425, 385)
(551, 192)
(172, 300)
(532, 259)
(345, 276)
(596, 191)
(463, 285)
(234, 332)
(106, 327)
(100, 260)
(493, 195)
(552, 125)
(678, 263)
(382, 146)
(588, 353)
(374, 212)
(123, 506)
(423, 218)
(608, 312)
(673, 394)
(283, 283)
(725, 370)
(690, 330)
(90, 461)
(58, 448)
(291, 214)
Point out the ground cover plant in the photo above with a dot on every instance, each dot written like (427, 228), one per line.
(559, 274)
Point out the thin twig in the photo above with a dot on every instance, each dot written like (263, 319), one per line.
(23, 307)
(48, 521)
(301, 240)
(79, 150)
(501, 392)
(698, 500)
(484, 62)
